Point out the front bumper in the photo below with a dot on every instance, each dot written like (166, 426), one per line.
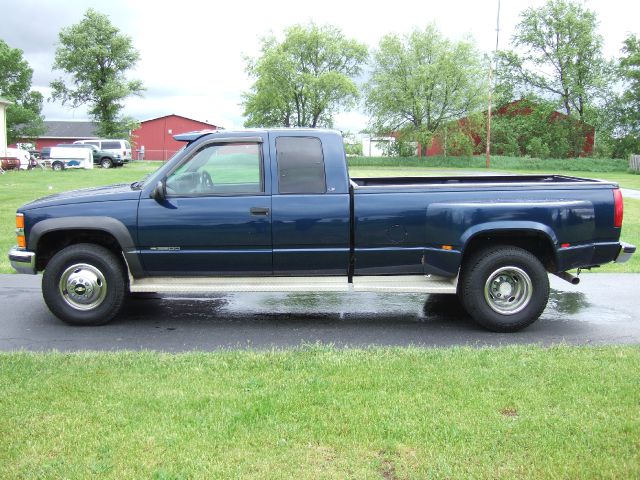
(23, 261)
(625, 252)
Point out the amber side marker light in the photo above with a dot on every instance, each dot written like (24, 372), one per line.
(447, 247)
(22, 242)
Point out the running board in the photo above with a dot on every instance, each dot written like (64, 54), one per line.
(396, 283)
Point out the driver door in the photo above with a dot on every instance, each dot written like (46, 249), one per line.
(216, 217)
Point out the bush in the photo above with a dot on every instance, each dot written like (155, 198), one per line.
(537, 148)
(353, 149)
(399, 148)
(459, 144)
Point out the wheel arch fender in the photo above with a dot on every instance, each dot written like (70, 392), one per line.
(514, 230)
(108, 225)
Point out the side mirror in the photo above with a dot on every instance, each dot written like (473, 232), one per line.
(159, 193)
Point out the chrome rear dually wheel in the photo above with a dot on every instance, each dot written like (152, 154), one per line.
(504, 288)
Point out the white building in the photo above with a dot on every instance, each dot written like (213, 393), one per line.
(375, 146)
(3, 126)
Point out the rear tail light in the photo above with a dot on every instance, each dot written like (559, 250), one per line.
(618, 208)
(22, 242)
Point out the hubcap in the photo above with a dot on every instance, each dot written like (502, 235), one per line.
(83, 286)
(508, 290)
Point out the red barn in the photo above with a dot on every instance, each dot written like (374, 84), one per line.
(156, 136)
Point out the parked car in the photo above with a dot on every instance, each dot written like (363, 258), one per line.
(23, 157)
(9, 163)
(120, 147)
(275, 210)
(100, 157)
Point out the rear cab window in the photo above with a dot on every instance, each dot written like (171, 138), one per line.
(301, 167)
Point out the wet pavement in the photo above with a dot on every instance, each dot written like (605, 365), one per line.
(603, 309)
(629, 193)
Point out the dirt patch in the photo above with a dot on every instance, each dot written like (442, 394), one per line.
(509, 412)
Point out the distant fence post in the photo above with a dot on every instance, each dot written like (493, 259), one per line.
(634, 163)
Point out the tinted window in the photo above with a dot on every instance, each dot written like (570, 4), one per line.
(221, 169)
(300, 165)
(111, 145)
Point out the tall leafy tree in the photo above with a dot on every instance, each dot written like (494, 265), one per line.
(23, 116)
(96, 58)
(303, 80)
(559, 56)
(628, 105)
(422, 81)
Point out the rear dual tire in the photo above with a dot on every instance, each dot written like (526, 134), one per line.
(504, 288)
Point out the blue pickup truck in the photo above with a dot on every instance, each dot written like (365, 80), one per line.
(276, 210)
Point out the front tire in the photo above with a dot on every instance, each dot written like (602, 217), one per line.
(504, 288)
(106, 163)
(84, 284)
(57, 166)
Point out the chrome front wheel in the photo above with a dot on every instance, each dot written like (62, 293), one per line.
(83, 286)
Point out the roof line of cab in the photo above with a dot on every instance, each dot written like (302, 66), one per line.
(195, 135)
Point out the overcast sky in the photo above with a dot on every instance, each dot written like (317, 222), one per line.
(192, 51)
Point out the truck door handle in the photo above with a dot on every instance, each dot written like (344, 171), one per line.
(259, 211)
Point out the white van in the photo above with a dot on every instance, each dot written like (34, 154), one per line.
(62, 158)
(120, 147)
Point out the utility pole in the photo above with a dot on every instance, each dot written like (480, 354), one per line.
(491, 89)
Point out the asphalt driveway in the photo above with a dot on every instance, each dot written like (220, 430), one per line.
(603, 309)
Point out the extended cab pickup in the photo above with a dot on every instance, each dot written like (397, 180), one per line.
(275, 210)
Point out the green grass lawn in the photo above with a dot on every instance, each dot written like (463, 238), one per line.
(19, 187)
(514, 412)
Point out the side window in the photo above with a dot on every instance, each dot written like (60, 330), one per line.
(300, 165)
(97, 144)
(222, 169)
(111, 145)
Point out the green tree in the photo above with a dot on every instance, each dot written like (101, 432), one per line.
(23, 116)
(561, 57)
(422, 81)
(533, 127)
(628, 104)
(96, 57)
(304, 80)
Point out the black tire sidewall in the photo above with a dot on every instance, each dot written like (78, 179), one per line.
(481, 266)
(106, 163)
(102, 259)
